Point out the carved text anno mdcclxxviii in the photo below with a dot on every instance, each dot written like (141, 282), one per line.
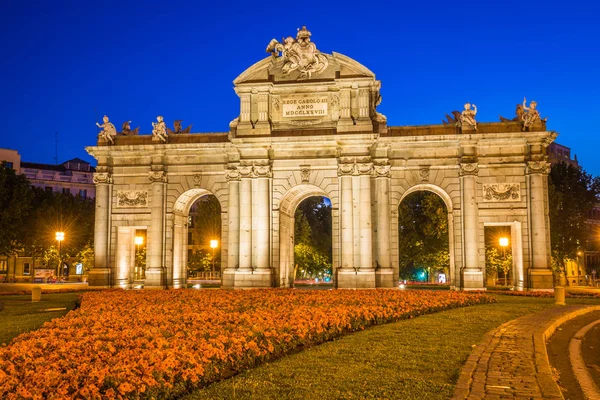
(305, 107)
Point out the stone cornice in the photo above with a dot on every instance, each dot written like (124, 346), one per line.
(102, 177)
(537, 167)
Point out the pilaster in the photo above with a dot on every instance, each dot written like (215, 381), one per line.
(384, 276)
(100, 274)
(155, 273)
(472, 274)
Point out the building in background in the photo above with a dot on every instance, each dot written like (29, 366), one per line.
(71, 177)
(558, 153)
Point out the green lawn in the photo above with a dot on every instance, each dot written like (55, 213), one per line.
(21, 315)
(413, 359)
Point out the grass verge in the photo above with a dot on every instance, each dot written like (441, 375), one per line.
(21, 315)
(413, 359)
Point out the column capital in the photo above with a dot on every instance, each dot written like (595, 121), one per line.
(538, 167)
(469, 169)
(157, 176)
(102, 177)
(232, 174)
(262, 171)
(381, 171)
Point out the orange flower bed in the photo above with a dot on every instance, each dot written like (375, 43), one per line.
(161, 344)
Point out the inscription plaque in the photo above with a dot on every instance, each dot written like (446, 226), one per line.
(314, 106)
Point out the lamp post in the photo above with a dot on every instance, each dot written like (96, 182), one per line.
(503, 244)
(139, 240)
(60, 236)
(213, 245)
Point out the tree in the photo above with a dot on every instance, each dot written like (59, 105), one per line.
(16, 198)
(207, 220)
(572, 194)
(423, 232)
(496, 262)
(85, 256)
(312, 237)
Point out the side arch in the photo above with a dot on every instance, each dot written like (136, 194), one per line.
(181, 210)
(427, 187)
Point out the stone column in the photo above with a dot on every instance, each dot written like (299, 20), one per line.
(155, 273)
(233, 217)
(178, 266)
(472, 275)
(384, 274)
(365, 217)
(245, 261)
(262, 228)
(540, 274)
(100, 274)
(346, 217)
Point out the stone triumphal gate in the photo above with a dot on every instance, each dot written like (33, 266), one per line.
(308, 126)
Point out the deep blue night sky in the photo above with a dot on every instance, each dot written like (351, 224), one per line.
(67, 63)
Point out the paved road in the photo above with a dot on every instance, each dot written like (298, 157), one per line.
(11, 287)
(558, 354)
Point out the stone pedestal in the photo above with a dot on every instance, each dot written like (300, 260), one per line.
(350, 279)
(472, 279)
(384, 278)
(541, 279)
(99, 277)
(259, 278)
(154, 279)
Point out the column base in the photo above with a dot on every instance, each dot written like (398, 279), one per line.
(384, 278)
(350, 279)
(472, 279)
(541, 279)
(99, 277)
(228, 279)
(249, 279)
(179, 283)
(154, 279)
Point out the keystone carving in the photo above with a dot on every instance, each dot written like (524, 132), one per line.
(304, 173)
(157, 176)
(197, 179)
(102, 177)
(137, 198)
(501, 192)
(424, 174)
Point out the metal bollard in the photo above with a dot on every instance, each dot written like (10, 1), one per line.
(36, 293)
(559, 296)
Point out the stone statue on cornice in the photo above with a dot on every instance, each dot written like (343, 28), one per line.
(108, 131)
(159, 129)
(467, 117)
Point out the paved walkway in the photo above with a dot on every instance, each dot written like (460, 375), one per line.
(512, 362)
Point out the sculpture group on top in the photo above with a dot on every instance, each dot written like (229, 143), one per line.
(527, 116)
(299, 54)
(159, 130)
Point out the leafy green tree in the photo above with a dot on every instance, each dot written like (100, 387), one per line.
(572, 193)
(200, 261)
(85, 256)
(496, 262)
(423, 232)
(207, 220)
(312, 236)
(16, 202)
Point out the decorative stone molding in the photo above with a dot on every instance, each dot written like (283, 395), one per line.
(549, 139)
(245, 171)
(275, 103)
(538, 167)
(135, 198)
(197, 179)
(102, 177)
(304, 173)
(469, 169)
(424, 173)
(355, 166)
(305, 122)
(157, 176)
(255, 169)
(501, 192)
(232, 174)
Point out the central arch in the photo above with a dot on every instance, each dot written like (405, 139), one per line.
(427, 187)
(284, 272)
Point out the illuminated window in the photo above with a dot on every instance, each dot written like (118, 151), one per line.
(26, 269)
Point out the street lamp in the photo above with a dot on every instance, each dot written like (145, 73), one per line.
(139, 240)
(504, 244)
(213, 245)
(60, 236)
